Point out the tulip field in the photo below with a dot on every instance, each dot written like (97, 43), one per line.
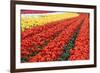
(54, 36)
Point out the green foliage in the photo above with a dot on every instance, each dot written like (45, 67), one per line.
(67, 47)
(33, 54)
(45, 43)
(23, 59)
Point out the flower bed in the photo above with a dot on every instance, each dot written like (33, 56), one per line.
(64, 39)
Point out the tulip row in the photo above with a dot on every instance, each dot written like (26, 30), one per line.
(27, 22)
(36, 42)
(35, 30)
(54, 49)
(81, 49)
(62, 24)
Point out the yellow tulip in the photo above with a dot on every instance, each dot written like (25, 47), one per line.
(28, 22)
